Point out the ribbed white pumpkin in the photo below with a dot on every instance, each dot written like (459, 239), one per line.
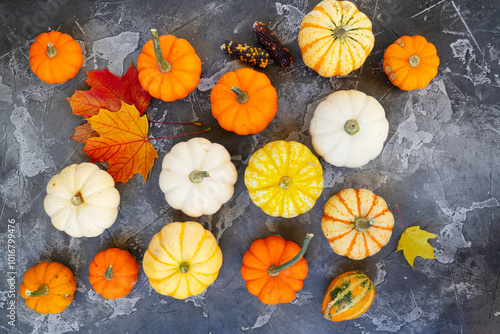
(197, 177)
(82, 200)
(349, 128)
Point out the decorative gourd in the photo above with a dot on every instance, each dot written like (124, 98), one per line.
(113, 273)
(169, 68)
(284, 178)
(349, 128)
(48, 287)
(82, 200)
(182, 260)
(55, 57)
(335, 38)
(348, 296)
(274, 270)
(197, 177)
(357, 223)
(244, 101)
(411, 62)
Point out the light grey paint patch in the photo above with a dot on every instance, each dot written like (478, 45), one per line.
(115, 49)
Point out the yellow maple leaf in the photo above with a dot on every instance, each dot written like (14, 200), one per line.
(413, 243)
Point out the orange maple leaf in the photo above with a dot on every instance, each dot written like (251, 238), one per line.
(122, 142)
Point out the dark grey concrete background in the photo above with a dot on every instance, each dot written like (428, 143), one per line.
(439, 165)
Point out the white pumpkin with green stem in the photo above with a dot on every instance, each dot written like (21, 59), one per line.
(349, 128)
(197, 177)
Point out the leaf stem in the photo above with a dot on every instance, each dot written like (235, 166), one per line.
(176, 123)
(400, 216)
(184, 134)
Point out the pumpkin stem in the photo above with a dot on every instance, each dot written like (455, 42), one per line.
(197, 176)
(275, 270)
(51, 50)
(77, 199)
(241, 96)
(351, 127)
(108, 275)
(341, 32)
(163, 65)
(361, 224)
(43, 290)
(414, 61)
(285, 182)
(184, 267)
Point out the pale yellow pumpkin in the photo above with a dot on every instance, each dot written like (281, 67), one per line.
(182, 260)
(335, 38)
(357, 223)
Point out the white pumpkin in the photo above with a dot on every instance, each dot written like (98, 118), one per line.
(82, 200)
(349, 128)
(197, 177)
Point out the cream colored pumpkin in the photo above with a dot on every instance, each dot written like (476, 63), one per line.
(349, 128)
(197, 177)
(335, 38)
(82, 200)
(182, 260)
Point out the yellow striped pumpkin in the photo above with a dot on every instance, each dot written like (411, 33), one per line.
(348, 296)
(335, 38)
(357, 223)
(182, 260)
(284, 178)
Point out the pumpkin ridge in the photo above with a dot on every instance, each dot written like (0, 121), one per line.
(320, 61)
(380, 213)
(379, 245)
(330, 218)
(367, 252)
(358, 201)
(271, 160)
(351, 245)
(340, 236)
(216, 251)
(354, 301)
(344, 203)
(158, 260)
(159, 280)
(160, 237)
(306, 47)
(200, 243)
(374, 202)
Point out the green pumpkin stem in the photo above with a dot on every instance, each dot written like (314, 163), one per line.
(77, 199)
(340, 32)
(361, 224)
(351, 127)
(108, 275)
(241, 96)
(42, 291)
(197, 176)
(275, 270)
(51, 50)
(163, 65)
(285, 182)
(184, 267)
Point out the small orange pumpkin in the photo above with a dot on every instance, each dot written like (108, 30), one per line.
(169, 68)
(274, 269)
(48, 287)
(244, 101)
(113, 273)
(55, 57)
(411, 62)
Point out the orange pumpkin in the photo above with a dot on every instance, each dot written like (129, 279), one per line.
(55, 57)
(357, 223)
(411, 62)
(169, 68)
(48, 287)
(274, 269)
(113, 273)
(244, 101)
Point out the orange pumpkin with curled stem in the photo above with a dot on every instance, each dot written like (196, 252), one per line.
(169, 68)
(274, 269)
(55, 57)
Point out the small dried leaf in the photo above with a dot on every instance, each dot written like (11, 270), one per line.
(413, 243)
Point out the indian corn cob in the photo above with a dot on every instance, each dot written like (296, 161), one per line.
(253, 55)
(271, 43)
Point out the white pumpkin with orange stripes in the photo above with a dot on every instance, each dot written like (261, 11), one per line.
(357, 223)
(335, 38)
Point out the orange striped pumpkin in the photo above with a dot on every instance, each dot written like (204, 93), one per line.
(348, 296)
(357, 223)
(335, 38)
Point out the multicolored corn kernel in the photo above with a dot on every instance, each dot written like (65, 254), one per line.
(252, 55)
(271, 43)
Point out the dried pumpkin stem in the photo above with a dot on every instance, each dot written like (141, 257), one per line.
(184, 267)
(163, 64)
(77, 199)
(361, 224)
(108, 275)
(43, 290)
(414, 61)
(241, 96)
(198, 176)
(340, 32)
(285, 182)
(275, 270)
(351, 127)
(51, 50)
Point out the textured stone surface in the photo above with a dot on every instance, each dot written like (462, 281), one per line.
(439, 165)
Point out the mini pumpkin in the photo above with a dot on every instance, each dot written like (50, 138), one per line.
(411, 62)
(335, 38)
(244, 101)
(197, 177)
(348, 296)
(55, 57)
(274, 269)
(82, 200)
(169, 68)
(48, 287)
(284, 178)
(357, 223)
(182, 260)
(113, 273)
(349, 128)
